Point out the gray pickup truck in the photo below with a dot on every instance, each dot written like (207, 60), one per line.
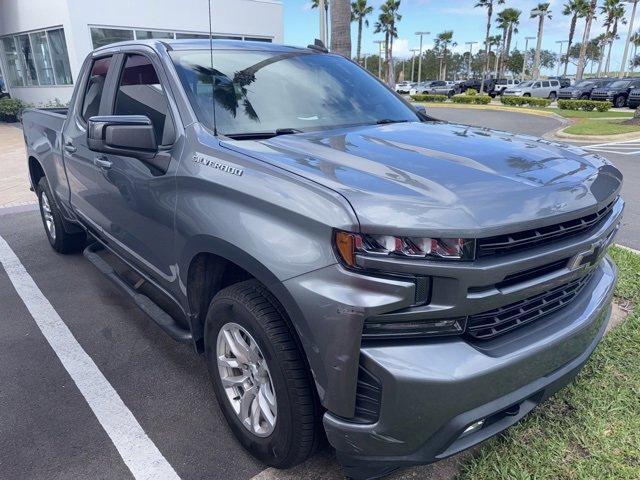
(342, 260)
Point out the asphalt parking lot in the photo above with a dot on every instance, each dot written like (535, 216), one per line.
(51, 427)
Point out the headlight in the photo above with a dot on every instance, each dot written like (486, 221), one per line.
(349, 245)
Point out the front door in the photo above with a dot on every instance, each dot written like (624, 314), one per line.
(139, 196)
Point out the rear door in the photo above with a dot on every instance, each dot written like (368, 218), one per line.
(139, 196)
(85, 194)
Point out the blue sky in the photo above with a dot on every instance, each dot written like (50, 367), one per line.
(467, 23)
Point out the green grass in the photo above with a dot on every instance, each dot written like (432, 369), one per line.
(589, 430)
(594, 114)
(600, 127)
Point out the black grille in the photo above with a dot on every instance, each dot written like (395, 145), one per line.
(514, 242)
(488, 325)
(368, 397)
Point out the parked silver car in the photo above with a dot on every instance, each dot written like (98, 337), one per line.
(442, 87)
(535, 88)
(422, 87)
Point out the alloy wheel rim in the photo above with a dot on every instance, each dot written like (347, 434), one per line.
(246, 379)
(48, 216)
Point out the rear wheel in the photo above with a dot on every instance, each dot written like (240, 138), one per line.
(526, 95)
(61, 241)
(261, 381)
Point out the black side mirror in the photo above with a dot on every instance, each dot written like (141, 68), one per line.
(127, 135)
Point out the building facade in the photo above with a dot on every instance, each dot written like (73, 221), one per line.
(44, 42)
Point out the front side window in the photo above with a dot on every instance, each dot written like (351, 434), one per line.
(262, 91)
(545, 84)
(95, 87)
(140, 93)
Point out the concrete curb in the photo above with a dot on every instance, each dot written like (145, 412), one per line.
(629, 249)
(560, 134)
(491, 107)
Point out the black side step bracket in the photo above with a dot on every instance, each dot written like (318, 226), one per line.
(157, 314)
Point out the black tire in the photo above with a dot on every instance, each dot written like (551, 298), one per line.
(620, 101)
(296, 433)
(553, 96)
(584, 96)
(59, 239)
(526, 95)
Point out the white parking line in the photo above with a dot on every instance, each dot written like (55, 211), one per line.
(139, 453)
(628, 147)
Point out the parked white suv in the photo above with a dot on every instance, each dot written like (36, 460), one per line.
(535, 88)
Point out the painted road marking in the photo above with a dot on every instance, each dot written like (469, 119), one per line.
(139, 453)
(629, 147)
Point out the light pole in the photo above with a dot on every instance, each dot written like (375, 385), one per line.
(413, 62)
(365, 60)
(526, 53)
(561, 43)
(471, 44)
(420, 58)
(379, 42)
(623, 65)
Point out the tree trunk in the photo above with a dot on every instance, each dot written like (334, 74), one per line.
(572, 32)
(391, 72)
(585, 40)
(487, 46)
(359, 39)
(341, 27)
(536, 60)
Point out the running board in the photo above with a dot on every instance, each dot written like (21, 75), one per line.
(165, 321)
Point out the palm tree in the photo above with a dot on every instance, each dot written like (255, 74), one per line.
(316, 4)
(340, 11)
(488, 4)
(577, 9)
(541, 11)
(442, 42)
(635, 41)
(614, 11)
(508, 20)
(495, 41)
(585, 39)
(359, 11)
(386, 23)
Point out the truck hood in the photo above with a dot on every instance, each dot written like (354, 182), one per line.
(412, 178)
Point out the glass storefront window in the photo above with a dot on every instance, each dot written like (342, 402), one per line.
(150, 34)
(36, 59)
(42, 58)
(104, 36)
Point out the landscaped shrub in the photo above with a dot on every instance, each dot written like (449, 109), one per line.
(471, 92)
(427, 97)
(586, 105)
(521, 101)
(472, 99)
(10, 108)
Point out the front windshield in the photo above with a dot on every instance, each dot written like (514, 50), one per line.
(584, 83)
(619, 84)
(525, 84)
(263, 92)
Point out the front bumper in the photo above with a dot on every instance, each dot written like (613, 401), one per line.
(432, 391)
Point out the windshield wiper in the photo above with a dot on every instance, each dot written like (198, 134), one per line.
(389, 120)
(263, 135)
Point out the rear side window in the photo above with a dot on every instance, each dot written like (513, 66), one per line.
(140, 93)
(95, 87)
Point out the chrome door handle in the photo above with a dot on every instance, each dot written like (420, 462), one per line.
(102, 162)
(70, 147)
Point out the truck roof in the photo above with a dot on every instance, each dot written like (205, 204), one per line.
(204, 44)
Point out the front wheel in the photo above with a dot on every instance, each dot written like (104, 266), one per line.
(526, 95)
(620, 101)
(553, 96)
(59, 239)
(261, 381)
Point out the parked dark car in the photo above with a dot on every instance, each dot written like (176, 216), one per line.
(475, 83)
(634, 98)
(342, 261)
(616, 92)
(582, 90)
(564, 81)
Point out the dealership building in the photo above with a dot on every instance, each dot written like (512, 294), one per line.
(44, 42)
